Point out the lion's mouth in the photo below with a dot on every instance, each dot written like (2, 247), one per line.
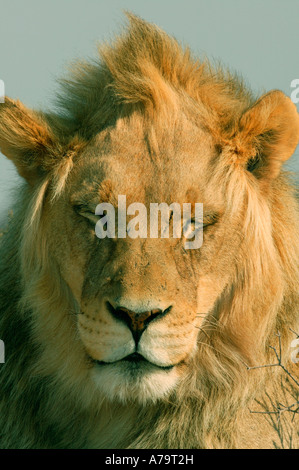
(135, 359)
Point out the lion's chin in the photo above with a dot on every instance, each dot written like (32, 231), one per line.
(125, 382)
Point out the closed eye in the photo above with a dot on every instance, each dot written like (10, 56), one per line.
(210, 219)
(86, 212)
(193, 225)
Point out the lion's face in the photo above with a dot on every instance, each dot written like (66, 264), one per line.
(142, 300)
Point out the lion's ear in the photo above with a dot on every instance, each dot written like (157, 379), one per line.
(27, 140)
(267, 134)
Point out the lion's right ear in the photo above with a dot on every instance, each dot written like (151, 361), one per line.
(27, 140)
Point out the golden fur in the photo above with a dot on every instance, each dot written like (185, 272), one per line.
(150, 122)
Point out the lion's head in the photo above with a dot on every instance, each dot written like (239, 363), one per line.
(126, 318)
(141, 300)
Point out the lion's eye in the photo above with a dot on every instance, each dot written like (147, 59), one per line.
(210, 219)
(192, 226)
(83, 211)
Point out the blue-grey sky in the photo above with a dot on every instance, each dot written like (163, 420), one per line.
(257, 38)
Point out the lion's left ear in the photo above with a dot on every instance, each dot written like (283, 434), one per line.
(267, 134)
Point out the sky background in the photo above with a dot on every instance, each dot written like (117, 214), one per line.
(257, 38)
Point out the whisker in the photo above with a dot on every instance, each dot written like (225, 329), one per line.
(201, 329)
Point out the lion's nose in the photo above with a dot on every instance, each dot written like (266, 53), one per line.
(136, 321)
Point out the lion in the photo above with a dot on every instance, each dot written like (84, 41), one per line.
(139, 343)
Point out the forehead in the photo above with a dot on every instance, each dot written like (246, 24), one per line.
(148, 163)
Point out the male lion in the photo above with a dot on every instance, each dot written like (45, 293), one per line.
(140, 343)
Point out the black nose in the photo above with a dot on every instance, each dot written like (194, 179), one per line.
(137, 322)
